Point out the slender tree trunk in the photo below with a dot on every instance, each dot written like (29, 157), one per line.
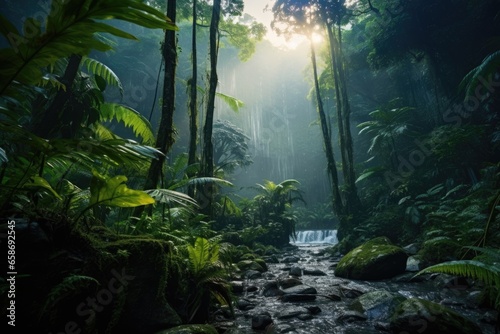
(193, 97)
(208, 150)
(351, 204)
(349, 174)
(332, 168)
(47, 126)
(166, 131)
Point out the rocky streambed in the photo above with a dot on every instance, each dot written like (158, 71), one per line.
(299, 293)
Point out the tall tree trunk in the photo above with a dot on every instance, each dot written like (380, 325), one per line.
(47, 127)
(193, 97)
(351, 203)
(332, 168)
(166, 131)
(208, 150)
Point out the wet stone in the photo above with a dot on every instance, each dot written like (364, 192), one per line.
(253, 274)
(244, 304)
(289, 282)
(314, 272)
(290, 259)
(295, 271)
(292, 312)
(261, 321)
(350, 316)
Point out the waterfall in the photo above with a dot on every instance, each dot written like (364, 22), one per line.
(316, 237)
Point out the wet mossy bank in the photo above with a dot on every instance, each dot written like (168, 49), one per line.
(89, 280)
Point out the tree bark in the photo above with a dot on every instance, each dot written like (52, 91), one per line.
(332, 168)
(208, 159)
(166, 131)
(193, 97)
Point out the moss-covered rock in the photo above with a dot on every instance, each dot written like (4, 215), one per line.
(437, 250)
(377, 305)
(93, 280)
(421, 316)
(375, 259)
(246, 265)
(190, 329)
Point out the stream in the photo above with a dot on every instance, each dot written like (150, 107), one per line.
(329, 312)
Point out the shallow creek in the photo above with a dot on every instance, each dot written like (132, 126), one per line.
(335, 316)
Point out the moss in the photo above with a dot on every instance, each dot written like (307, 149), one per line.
(375, 259)
(417, 315)
(438, 250)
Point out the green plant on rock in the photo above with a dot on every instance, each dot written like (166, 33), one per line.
(485, 268)
(206, 280)
(269, 210)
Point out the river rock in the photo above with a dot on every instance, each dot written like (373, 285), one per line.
(261, 321)
(252, 274)
(289, 282)
(299, 293)
(290, 259)
(374, 260)
(377, 305)
(271, 289)
(415, 316)
(314, 272)
(244, 304)
(296, 271)
(350, 316)
(413, 264)
(411, 249)
(190, 329)
(250, 265)
(292, 312)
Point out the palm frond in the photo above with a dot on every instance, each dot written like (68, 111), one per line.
(172, 198)
(476, 76)
(97, 68)
(67, 22)
(489, 274)
(130, 118)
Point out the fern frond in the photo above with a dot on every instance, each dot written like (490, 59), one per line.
(69, 287)
(97, 68)
(474, 78)
(130, 118)
(172, 197)
(489, 274)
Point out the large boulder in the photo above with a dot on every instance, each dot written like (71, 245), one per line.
(377, 305)
(415, 316)
(374, 260)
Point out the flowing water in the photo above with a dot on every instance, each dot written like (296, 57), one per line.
(335, 316)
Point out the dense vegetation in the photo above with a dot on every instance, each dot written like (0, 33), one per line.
(115, 153)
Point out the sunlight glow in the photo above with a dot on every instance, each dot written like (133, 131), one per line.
(317, 38)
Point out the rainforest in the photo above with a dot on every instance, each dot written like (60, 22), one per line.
(250, 166)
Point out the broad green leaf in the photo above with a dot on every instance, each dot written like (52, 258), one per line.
(114, 192)
(38, 181)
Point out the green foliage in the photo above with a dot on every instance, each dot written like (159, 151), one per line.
(103, 71)
(130, 118)
(114, 192)
(485, 269)
(479, 74)
(230, 147)
(71, 286)
(206, 279)
(67, 22)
